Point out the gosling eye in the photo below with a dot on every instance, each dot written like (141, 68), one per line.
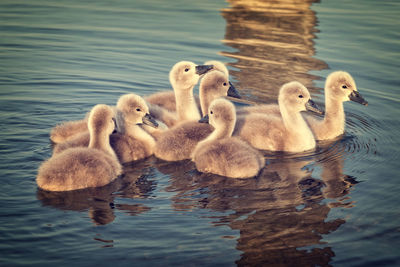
(344, 86)
(187, 69)
(225, 84)
(300, 96)
(211, 112)
(138, 109)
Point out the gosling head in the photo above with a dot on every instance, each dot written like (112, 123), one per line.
(341, 86)
(101, 120)
(218, 65)
(186, 74)
(295, 97)
(135, 110)
(216, 84)
(221, 113)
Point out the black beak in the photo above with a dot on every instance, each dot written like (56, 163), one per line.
(201, 69)
(115, 126)
(356, 97)
(311, 106)
(149, 120)
(233, 92)
(205, 119)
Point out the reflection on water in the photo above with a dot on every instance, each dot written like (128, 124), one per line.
(101, 202)
(274, 43)
(278, 214)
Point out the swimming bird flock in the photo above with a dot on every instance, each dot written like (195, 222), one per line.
(207, 129)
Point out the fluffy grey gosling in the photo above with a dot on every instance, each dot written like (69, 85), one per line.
(183, 76)
(288, 132)
(222, 154)
(339, 87)
(84, 167)
(131, 142)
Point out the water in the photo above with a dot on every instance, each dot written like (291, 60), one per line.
(336, 206)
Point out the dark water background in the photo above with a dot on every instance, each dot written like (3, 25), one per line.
(337, 206)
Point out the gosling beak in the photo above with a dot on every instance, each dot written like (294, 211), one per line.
(356, 97)
(205, 119)
(149, 120)
(311, 106)
(233, 92)
(115, 126)
(201, 69)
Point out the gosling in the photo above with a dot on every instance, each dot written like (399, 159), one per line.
(222, 154)
(183, 76)
(288, 132)
(84, 167)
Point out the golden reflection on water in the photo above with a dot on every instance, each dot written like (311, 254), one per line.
(278, 214)
(274, 45)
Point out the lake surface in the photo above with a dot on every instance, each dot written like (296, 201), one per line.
(336, 206)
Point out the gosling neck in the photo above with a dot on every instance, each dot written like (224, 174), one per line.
(137, 132)
(334, 115)
(222, 131)
(293, 121)
(186, 107)
(205, 98)
(297, 128)
(101, 141)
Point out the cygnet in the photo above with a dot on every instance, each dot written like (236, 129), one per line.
(288, 132)
(183, 76)
(222, 154)
(84, 167)
(131, 142)
(339, 87)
